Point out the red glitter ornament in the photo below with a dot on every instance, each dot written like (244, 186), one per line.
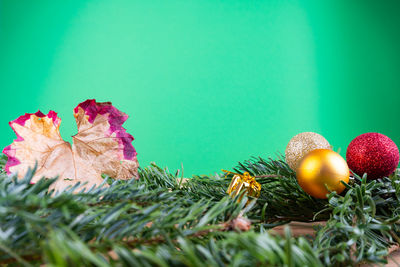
(374, 154)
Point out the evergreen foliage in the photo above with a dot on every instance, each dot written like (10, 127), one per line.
(160, 220)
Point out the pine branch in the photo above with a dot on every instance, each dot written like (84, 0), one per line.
(129, 210)
(245, 249)
(158, 220)
(281, 200)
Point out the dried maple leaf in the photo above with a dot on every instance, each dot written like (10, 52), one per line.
(102, 145)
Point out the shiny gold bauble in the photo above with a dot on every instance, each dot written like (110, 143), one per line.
(301, 144)
(321, 169)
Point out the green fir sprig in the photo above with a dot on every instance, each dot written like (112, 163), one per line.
(164, 220)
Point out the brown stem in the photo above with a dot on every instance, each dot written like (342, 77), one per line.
(268, 176)
(159, 239)
(28, 258)
(393, 234)
(297, 219)
(118, 201)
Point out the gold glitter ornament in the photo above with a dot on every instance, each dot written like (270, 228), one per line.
(301, 144)
(320, 170)
(243, 182)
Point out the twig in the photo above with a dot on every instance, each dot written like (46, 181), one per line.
(268, 176)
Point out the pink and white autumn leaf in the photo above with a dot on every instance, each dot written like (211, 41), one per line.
(101, 145)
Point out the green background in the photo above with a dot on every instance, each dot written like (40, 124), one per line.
(206, 83)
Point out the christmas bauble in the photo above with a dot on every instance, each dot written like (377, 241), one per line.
(374, 154)
(301, 144)
(321, 169)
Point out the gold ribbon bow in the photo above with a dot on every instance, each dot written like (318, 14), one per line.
(244, 182)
